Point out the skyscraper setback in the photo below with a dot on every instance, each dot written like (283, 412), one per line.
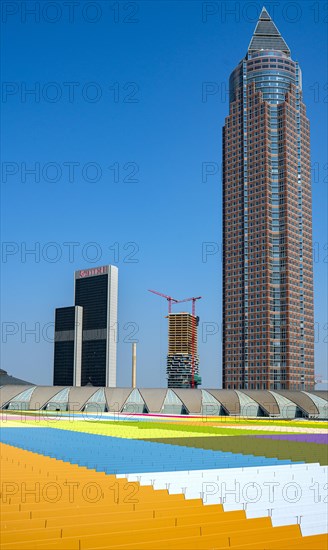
(268, 326)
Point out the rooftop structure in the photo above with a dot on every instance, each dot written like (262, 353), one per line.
(205, 402)
(6, 379)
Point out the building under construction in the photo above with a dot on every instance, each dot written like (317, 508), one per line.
(182, 359)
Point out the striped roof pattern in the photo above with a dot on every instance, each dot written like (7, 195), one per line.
(266, 36)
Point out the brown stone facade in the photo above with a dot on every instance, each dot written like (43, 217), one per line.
(268, 325)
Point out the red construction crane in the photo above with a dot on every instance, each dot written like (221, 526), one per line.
(193, 334)
(168, 298)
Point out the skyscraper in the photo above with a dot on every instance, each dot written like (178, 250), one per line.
(182, 344)
(86, 334)
(268, 327)
(68, 345)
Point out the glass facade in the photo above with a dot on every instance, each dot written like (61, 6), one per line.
(92, 294)
(172, 404)
(211, 406)
(21, 401)
(86, 334)
(97, 402)
(64, 348)
(135, 403)
(59, 402)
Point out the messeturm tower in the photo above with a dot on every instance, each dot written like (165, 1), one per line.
(268, 326)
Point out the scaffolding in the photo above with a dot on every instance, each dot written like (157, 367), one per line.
(182, 350)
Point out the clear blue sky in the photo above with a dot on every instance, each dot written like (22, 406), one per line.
(118, 130)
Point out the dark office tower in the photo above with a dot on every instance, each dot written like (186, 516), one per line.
(86, 334)
(96, 293)
(268, 339)
(68, 345)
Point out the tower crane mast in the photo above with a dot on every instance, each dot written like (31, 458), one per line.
(168, 298)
